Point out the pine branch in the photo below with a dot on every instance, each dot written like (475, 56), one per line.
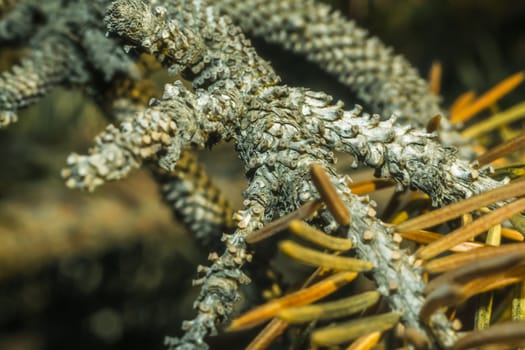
(17, 22)
(57, 54)
(187, 189)
(195, 200)
(279, 132)
(387, 83)
(47, 66)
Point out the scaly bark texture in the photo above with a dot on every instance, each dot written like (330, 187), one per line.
(68, 48)
(193, 197)
(387, 83)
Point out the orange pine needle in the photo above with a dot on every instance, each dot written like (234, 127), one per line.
(301, 297)
(454, 210)
(462, 101)
(436, 71)
(425, 237)
(471, 230)
(503, 334)
(508, 147)
(488, 98)
(266, 337)
(495, 265)
(328, 193)
(486, 284)
(368, 186)
(453, 261)
(276, 326)
(511, 234)
(281, 224)
(365, 342)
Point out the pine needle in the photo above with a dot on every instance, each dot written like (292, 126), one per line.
(330, 310)
(302, 297)
(454, 210)
(455, 260)
(488, 98)
(461, 102)
(368, 186)
(328, 193)
(316, 258)
(518, 303)
(508, 333)
(502, 118)
(471, 230)
(268, 335)
(511, 234)
(502, 150)
(365, 342)
(345, 332)
(425, 237)
(281, 224)
(310, 233)
(496, 265)
(436, 71)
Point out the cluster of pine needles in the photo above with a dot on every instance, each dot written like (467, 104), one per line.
(470, 253)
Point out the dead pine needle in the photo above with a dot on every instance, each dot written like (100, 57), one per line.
(310, 233)
(501, 118)
(455, 260)
(348, 331)
(267, 336)
(368, 186)
(330, 310)
(488, 99)
(434, 77)
(316, 258)
(328, 193)
(425, 237)
(461, 102)
(454, 210)
(507, 333)
(471, 230)
(496, 265)
(302, 297)
(276, 226)
(365, 342)
(502, 150)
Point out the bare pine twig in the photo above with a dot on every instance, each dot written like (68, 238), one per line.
(387, 83)
(66, 50)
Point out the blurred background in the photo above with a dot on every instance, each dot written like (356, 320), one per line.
(113, 269)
